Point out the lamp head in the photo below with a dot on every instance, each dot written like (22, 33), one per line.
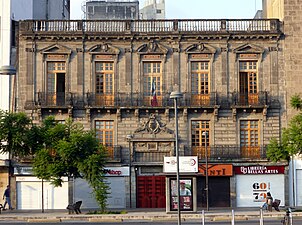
(176, 95)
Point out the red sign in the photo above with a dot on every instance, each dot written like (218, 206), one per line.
(259, 170)
(216, 170)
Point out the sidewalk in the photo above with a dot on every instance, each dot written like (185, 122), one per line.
(220, 214)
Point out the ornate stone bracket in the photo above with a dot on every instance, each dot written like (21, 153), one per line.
(88, 114)
(265, 113)
(152, 126)
(234, 114)
(136, 114)
(119, 115)
(216, 112)
(185, 114)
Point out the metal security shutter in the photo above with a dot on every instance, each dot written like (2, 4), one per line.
(117, 198)
(29, 195)
(250, 189)
(298, 188)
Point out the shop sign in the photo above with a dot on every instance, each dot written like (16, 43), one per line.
(216, 170)
(258, 170)
(116, 171)
(187, 164)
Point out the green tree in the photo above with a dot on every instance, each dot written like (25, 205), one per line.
(15, 133)
(58, 150)
(70, 151)
(291, 140)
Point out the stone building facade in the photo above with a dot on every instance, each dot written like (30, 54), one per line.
(117, 76)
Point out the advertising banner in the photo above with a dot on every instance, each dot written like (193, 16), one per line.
(251, 190)
(186, 203)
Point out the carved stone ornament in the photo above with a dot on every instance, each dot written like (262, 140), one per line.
(152, 126)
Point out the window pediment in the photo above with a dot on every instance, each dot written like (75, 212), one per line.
(56, 49)
(104, 49)
(249, 48)
(153, 48)
(200, 48)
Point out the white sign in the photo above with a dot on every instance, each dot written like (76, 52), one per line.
(251, 190)
(187, 164)
(116, 171)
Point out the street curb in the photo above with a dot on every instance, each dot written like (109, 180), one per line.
(48, 220)
(110, 220)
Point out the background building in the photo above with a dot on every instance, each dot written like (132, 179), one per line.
(111, 9)
(153, 9)
(289, 13)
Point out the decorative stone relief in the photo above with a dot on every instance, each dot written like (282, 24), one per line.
(152, 126)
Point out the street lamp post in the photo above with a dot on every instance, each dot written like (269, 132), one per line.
(177, 95)
(129, 138)
(205, 134)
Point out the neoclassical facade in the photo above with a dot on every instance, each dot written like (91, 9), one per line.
(116, 77)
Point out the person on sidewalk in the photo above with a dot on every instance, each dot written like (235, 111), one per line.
(6, 195)
(268, 202)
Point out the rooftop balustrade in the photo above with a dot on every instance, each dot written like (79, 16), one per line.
(124, 27)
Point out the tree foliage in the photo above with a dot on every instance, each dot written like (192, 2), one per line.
(58, 150)
(291, 141)
(15, 134)
(70, 151)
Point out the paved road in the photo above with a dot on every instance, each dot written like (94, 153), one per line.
(272, 221)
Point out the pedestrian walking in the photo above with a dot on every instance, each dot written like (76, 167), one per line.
(6, 196)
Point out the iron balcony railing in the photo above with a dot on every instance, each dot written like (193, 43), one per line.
(216, 152)
(54, 99)
(147, 100)
(126, 99)
(122, 27)
(227, 152)
(249, 99)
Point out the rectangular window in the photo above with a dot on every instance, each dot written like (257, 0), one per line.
(249, 138)
(200, 137)
(152, 83)
(56, 83)
(104, 83)
(104, 133)
(200, 83)
(248, 85)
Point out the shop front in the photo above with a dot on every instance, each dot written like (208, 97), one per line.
(33, 193)
(254, 181)
(116, 179)
(218, 182)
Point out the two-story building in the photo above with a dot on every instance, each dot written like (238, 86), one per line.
(116, 77)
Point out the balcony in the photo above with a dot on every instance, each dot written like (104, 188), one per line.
(52, 99)
(136, 27)
(146, 100)
(227, 152)
(259, 99)
(143, 157)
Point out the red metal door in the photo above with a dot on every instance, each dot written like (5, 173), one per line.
(151, 192)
